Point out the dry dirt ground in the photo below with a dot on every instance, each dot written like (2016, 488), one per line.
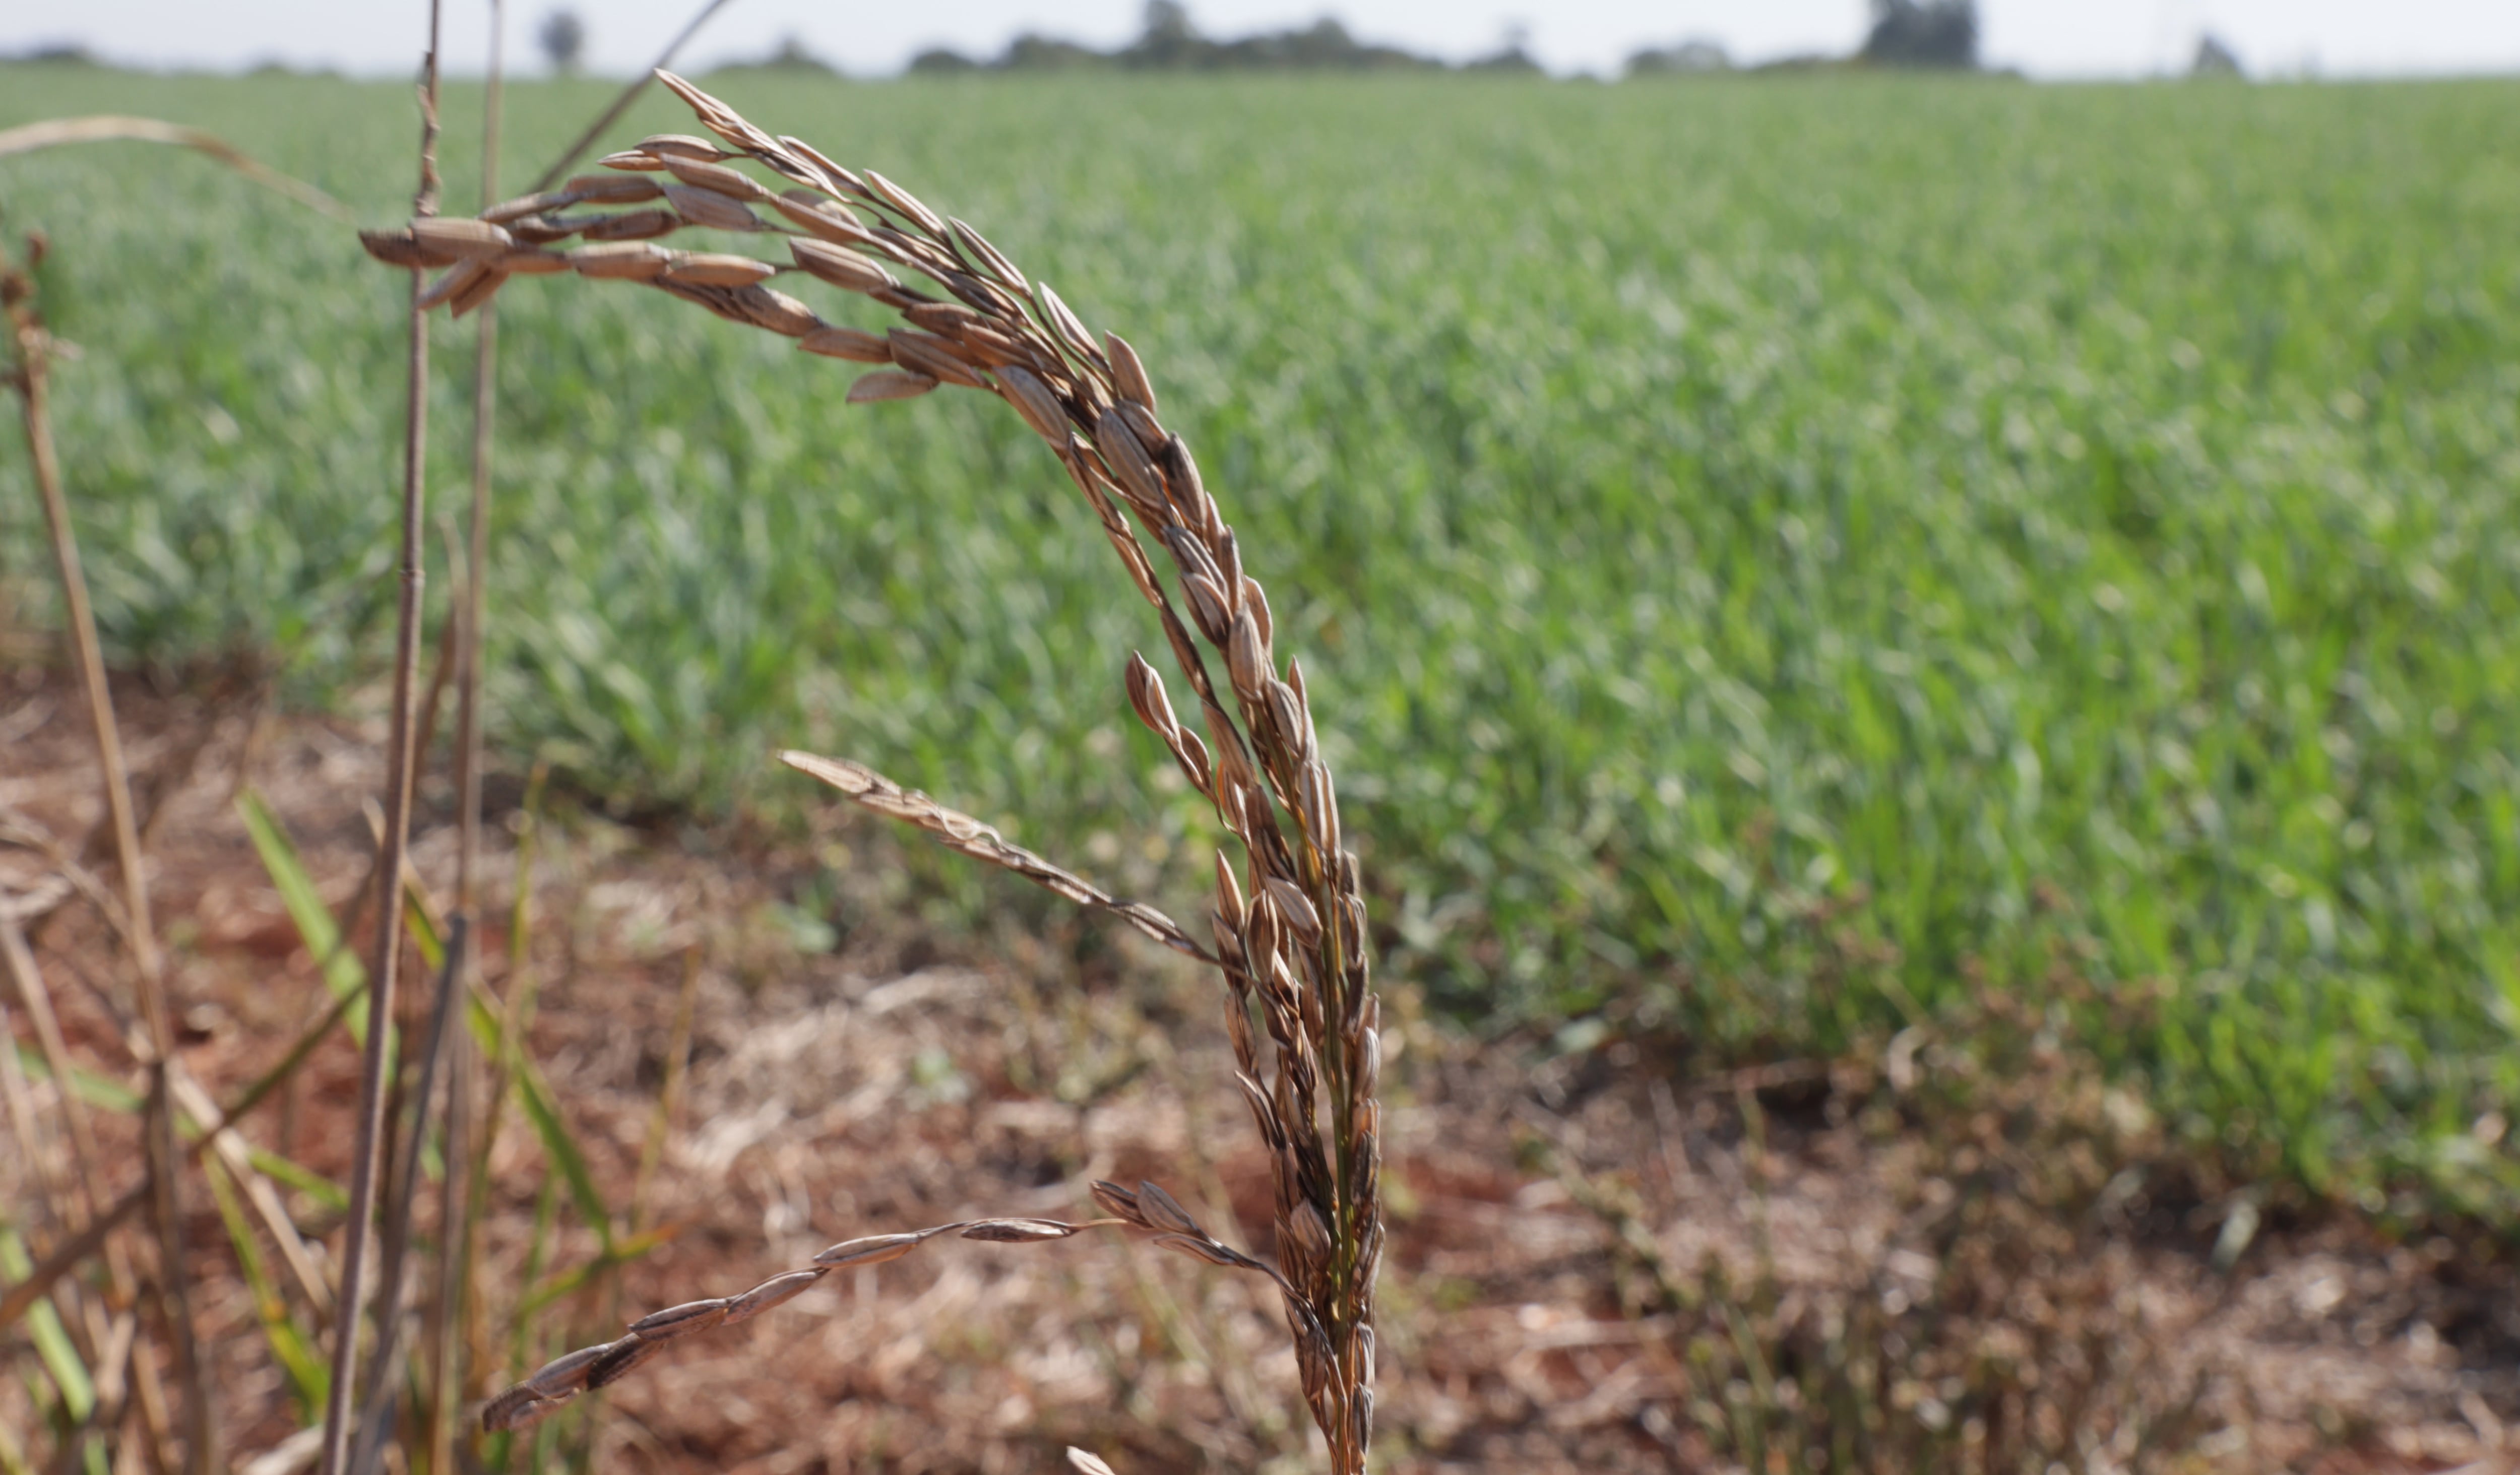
(1608, 1262)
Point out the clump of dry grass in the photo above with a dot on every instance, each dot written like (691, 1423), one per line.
(1288, 922)
(28, 374)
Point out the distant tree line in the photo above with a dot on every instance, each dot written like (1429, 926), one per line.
(1170, 42)
(1922, 33)
(1941, 33)
(1904, 34)
(1919, 33)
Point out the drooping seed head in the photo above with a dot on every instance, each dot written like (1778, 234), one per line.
(991, 260)
(1247, 657)
(907, 203)
(636, 260)
(840, 266)
(887, 384)
(708, 207)
(461, 278)
(1191, 755)
(614, 189)
(681, 1321)
(828, 220)
(1190, 493)
(1256, 600)
(1262, 1114)
(1033, 401)
(781, 314)
(1148, 697)
(1287, 714)
(1297, 909)
(679, 146)
(1120, 1202)
(1128, 376)
(1067, 326)
(566, 1374)
(1142, 423)
(1310, 1231)
(718, 269)
(1318, 805)
(1162, 1211)
(1018, 1231)
(925, 353)
(531, 263)
(517, 1408)
(1208, 608)
(1200, 1249)
(523, 205)
(620, 1359)
(462, 239)
(871, 1249)
(716, 178)
(402, 248)
(1129, 465)
(1228, 553)
(634, 225)
(852, 344)
(1233, 763)
(774, 1291)
(944, 318)
(1229, 893)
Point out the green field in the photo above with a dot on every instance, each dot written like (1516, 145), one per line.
(1772, 554)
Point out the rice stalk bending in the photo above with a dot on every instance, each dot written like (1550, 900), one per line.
(1288, 922)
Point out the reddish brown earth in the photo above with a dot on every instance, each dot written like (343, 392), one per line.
(1563, 1230)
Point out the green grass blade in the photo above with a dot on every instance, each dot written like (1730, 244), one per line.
(298, 1175)
(101, 1092)
(343, 974)
(52, 1341)
(292, 1348)
(537, 1096)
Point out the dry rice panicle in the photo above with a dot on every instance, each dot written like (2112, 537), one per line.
(1287, 920)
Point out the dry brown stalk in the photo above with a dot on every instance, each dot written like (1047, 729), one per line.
(454, 1211)
(962, 834)
(375, 1065)
(29, 374)
(99, 128)
(1289, 922)
(565, 1377)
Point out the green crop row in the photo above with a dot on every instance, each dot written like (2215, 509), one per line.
(1771, 556)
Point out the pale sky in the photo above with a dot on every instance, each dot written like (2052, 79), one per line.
(2049, 39)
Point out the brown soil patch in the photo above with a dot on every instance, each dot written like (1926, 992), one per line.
(903, 1077)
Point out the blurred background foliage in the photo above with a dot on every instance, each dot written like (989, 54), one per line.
(1772, 556)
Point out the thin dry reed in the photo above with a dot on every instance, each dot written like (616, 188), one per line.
(375, 1065)
(1288, 922)
(462, 965)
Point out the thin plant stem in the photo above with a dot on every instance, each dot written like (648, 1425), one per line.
(453, 1217)
(359, 1230)
(399, 1214)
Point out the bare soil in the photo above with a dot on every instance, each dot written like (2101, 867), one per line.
(1566, 1233)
